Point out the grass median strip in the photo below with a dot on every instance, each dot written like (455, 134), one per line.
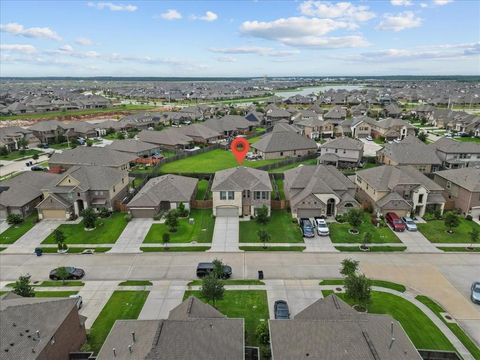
(175, 249)
(251, 305)
(380, 283)
(52, 283)
(75, 250)
(272, 248)
(15, 232)
(458, 249)
(455, 328)
(372, 248)
(122, 305)
(230, 282)
(136, 283)
(44, 294)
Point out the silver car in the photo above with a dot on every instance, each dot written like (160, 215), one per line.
(409, 224)
(475, 296)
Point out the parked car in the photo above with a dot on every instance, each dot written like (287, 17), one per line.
(73, 273)
(205, 268)
(395, 222)
(475, 295)
(322, 227)
(369, 138)
(281, 311)
(307, 228)
(37, 168)
(79, 300)
(409, 223)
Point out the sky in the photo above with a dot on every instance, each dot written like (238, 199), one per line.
(239, 38)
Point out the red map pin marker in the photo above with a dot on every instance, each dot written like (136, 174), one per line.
(240, 147)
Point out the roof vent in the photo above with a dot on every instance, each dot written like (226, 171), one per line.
(114, 352)
(130, 349)
(14, 324)
(133, 336)
(38, 333)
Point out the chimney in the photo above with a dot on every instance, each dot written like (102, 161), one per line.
(133, 336)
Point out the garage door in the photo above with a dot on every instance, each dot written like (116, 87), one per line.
(3, 213)
(476, 213)
(398, 212)
(53, 214)
(223, 212)
(308, 213)
(143, 213)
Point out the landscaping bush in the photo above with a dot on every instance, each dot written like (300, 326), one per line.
(104, 213)
(89, 218)
(340, 218)
(14, 219)
(128, 217)
(469, 217)
(182, 211)
(157, 217)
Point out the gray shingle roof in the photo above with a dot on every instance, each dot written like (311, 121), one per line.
(411, 151)
(168, 137)
(468, 178)
(131, 146)
(277, 141)
(25, 187)
(83, 155)
(456, 147)
(200, 131)
(344, 143)
(94, 177)
(241, 178)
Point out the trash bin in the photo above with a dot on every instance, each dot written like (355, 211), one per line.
(260, 274)
(38, 251)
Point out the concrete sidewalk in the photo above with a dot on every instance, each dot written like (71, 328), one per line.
(132, 236)
(225, 234)
(163, 297)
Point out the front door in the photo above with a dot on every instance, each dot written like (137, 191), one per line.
(246, 210)
(331, 207)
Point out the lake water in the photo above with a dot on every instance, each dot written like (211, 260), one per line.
(316, 89)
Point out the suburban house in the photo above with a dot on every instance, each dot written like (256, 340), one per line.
(275, 114)
(230, 125)
(11, 136)
(20, 194)
(81, 187)
(337, 113)
(462, 189)
(40, 328)
(311, 127)
(77, 129)
(240, 191)
(361, 127)
(410, 151)
(200, 133)
(134, 147)
(91, 156)
(392, 110)
(390, 129)
(456, 154)
(281, 143)
(163, 193)
(341, 152)
(193, 331)
(400, 189)
(48, 131)
(359, 110)
(169, 138)
(331, 329)
(318, 191)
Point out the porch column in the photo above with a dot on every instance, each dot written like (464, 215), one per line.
(75, 208)
(442, 207)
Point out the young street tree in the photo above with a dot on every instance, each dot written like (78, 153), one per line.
(422, 137)
(62, 274)
(367, 238)
(451, 221)
(59, 237)
(218, 267)
(165, 239)
(22, 287)
(349, 267)
(89, 218)
(264, 237)
(171, 220)
(212, 289)
(262, 215)
(354, 218)
(358, 288)
(474, 235)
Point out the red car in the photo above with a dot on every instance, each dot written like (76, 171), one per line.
(395, 222)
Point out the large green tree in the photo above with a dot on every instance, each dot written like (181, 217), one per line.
(22, 287)
(358, 288)
(171, 220)
(354, 217)
(349, 267)
(89, 218)
(212, 289)
(262, 215)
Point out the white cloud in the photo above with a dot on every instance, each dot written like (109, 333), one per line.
(401, 2)
(423, 5)
(83, 41)
(209, 16)
(66, 48)
(171, 14)
(304, 32)
(226, 59)
(19, 48)
(33, 32)
(263, 51)
(113, 7)
(340, 10)
(442, 2)
(399, 22)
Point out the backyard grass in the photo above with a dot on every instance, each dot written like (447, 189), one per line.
(455, 328)
(230, 282)
(251, 305)
(19, 154)
(122, 305)
(280, 227)
(15, 232)
(339, 233)
(281, 191)
(202, 188)
(272, 248)
(372, 248)
(44, 294)
(420, 329)
(201, 231)
(458, 249)
(74, 250)
(253, 140)
(175, 249)
(436, 231)
(294, 165)
(380, 283)
(60, 146)
(468, 139)
(51, 283)
(107, 231)
(210, 162)
(135, 283)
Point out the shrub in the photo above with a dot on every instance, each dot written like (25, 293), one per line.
(181, 210)
(14, 219)
(128, 217)
(340, 218)
(104, 213)
(89, 218)
(369, 208)
(157, 217)
(469, 217)
(374, 220)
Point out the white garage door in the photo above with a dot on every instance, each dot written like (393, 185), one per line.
(476, 213)
(224, 212)
(307, 213)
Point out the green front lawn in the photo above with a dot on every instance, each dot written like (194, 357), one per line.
(202, 188)
(455, 328)
(339, 233)
(54, 283)
(371, 248)
(380, 283)
(44, 294)
(253, 140)
(61, 146)
(15, 232)
(107, 231)
(252, 305)
(175, 249)
(280, 227)
(74, 250)
(436, 231)
(230, 282)
(468, 139)
(201, 231)
(135, 283)
(420, 329)
(122, 305)
(281, 191)
(210, 162)
(19, 154)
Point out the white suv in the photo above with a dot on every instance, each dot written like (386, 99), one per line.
(322, 227)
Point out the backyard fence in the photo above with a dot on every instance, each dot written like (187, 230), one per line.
(287, 162)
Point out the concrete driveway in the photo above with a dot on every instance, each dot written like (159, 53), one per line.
(416, 242)
(298, 293)
(163, 297)
(226, 234)
(370, 148)
(132, 236)
(33, 238)
(95, 295)
(3, 226)
(16, 166)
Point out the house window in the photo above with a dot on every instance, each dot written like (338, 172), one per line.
(231, 195)
(420, 198)
(223, 195)
(336, 151)
(248, 193)
(78, 194)
(348, 205)
(281, 153)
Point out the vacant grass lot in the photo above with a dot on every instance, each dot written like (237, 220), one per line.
(107, 231)
(15, 232)
(18, 154)
(419, 328)
(339, 233)
(209, 162)
(280, 227)
(251, 305)
(201, 231)
(122, 305)
(436, 231)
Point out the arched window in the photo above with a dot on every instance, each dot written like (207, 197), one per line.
(348, 205)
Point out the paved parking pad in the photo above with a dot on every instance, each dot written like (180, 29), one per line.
(298, 293)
